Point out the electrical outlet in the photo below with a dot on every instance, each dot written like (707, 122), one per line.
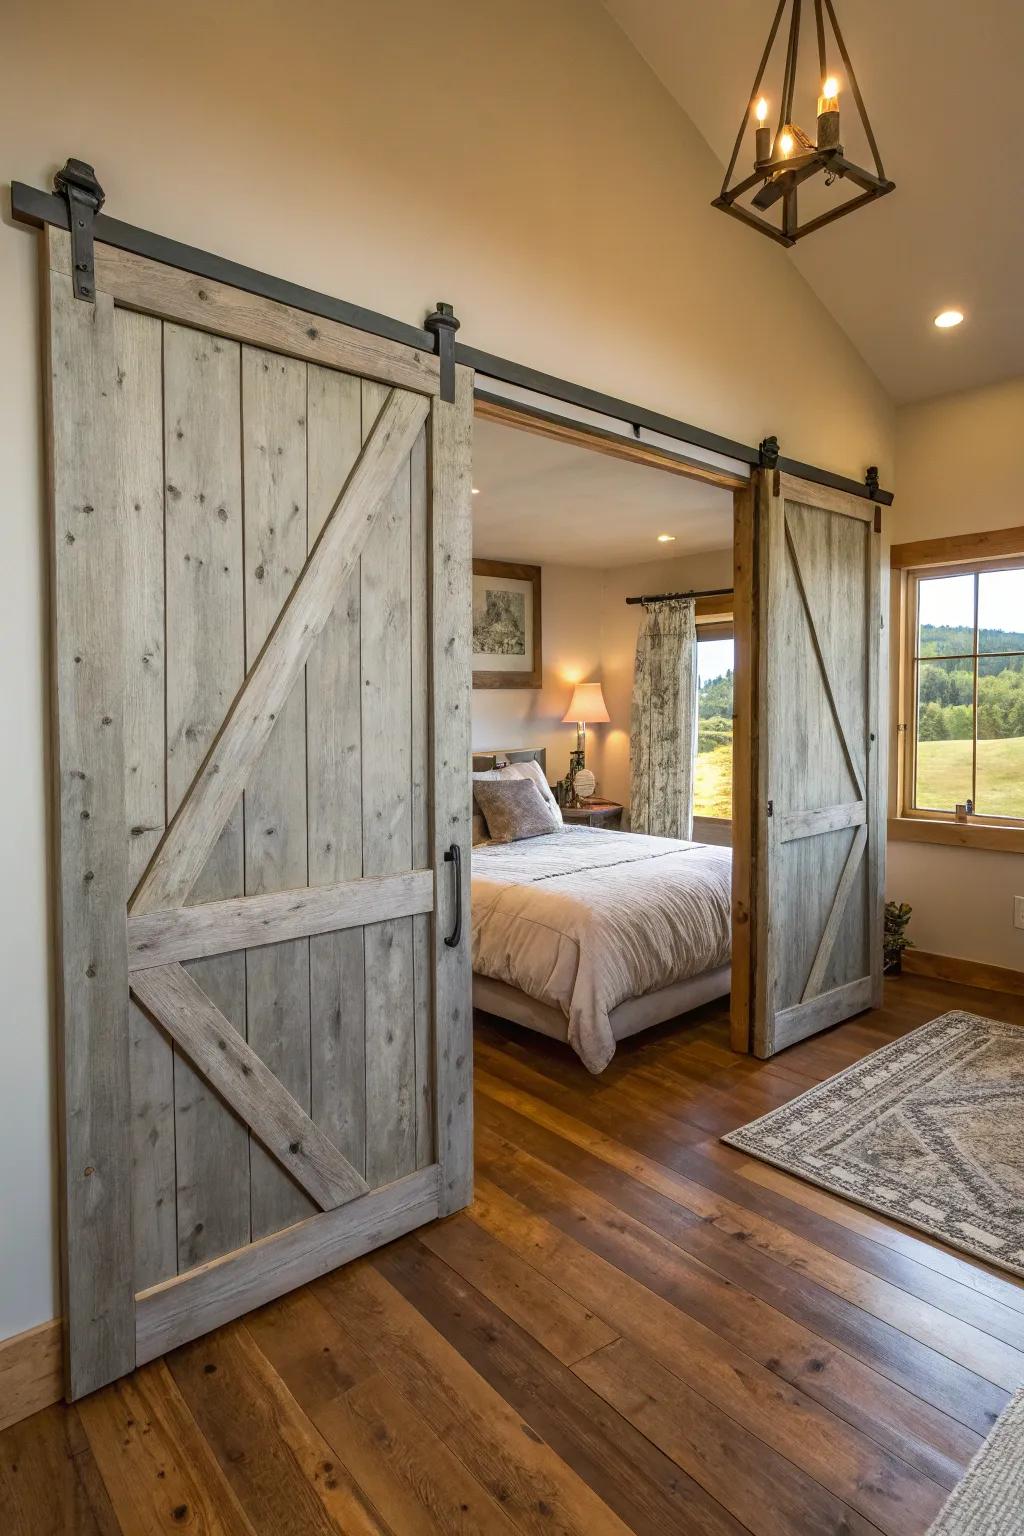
(1018, 911)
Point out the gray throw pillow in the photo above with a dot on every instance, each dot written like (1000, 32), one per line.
(514, 809)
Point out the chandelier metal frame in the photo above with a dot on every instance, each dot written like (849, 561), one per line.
(782, 174)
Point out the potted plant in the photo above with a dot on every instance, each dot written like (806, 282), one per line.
(895, 941)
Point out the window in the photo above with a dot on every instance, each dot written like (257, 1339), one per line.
(712, 790)
(963, 711)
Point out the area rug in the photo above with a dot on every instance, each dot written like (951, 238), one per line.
(929, 1130)
(990, 1499)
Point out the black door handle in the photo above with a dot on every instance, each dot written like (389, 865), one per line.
(454, 856)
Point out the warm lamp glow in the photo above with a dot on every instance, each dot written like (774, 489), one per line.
(761, 110)
(948, 318)
(587, 706)
(666, 538)
(831, 87)
(786, 142)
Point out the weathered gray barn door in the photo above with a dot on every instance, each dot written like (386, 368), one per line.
(261, 556)
(818, 803)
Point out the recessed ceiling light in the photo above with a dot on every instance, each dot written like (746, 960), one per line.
(947, 318)
(666, 538)
(476, 490)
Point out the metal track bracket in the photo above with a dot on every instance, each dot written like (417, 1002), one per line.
(77, 182)
(443, 324)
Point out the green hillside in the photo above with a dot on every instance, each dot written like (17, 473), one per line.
(944, 775)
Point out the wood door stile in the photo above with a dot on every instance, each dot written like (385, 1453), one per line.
(818, 801)
(88, 693)
(261, 547)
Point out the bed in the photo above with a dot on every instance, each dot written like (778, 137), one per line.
(589, 935)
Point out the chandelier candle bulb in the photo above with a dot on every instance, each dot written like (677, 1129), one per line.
(762, 134)
(828, 115)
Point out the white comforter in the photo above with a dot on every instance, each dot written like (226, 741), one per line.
(583, 919)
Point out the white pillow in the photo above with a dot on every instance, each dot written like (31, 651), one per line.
(533, 770)
(530, 770)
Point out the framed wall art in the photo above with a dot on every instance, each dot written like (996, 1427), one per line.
(506, 625)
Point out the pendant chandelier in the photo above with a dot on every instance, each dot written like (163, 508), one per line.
(783, 163)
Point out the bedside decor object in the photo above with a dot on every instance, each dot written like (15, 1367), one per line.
(595, 813)
(895, 941)
(782, 163)
(586, 707)
(584, 784)
(506, 625)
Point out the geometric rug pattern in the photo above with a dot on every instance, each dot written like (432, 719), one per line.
(928, 1129)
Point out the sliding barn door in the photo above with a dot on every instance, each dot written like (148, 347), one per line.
(261, 599)
(818, 815)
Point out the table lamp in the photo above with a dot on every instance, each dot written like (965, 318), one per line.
(586, 707)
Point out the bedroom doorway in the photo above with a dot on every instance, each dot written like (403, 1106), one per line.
(583, 517)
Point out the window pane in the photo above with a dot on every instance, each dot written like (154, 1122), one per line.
(1001, 737)
(712, 792)
(1001, 611)
(945, 616)
(945, 730)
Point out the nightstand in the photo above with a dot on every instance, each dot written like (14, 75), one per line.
(595, 813)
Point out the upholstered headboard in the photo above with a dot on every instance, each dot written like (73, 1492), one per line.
(484, 761)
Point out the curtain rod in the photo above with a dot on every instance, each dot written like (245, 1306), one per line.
(668, 597)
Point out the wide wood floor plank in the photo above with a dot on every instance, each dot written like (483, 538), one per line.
(857, 1470)
(532, 1483)
(419, 1486)
(50, 1484)
(641, 1485)
(158, 1468)
(550, 1315)
(962, 1342)
(281, 1470)
(735, 1466)
(790, 1327)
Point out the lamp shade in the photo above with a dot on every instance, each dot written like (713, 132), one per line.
(587, 706)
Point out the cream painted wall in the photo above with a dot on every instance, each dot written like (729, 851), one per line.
(571, 611)
(961, 469)
(514, 156)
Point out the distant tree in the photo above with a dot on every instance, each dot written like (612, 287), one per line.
(931, 723)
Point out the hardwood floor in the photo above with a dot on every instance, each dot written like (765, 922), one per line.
(635, 1328)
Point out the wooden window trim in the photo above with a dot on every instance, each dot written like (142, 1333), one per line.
(967, 554)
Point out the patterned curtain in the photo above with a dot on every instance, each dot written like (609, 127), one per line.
(663, 734)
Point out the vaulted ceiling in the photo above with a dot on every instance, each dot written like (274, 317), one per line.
(943, 85)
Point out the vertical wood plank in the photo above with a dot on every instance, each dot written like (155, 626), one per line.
(140, 498)
(419, 576)
(205, 661)
(88, 694)
(386, 616)
(451, 429)
(277, 975)
(334, 784)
